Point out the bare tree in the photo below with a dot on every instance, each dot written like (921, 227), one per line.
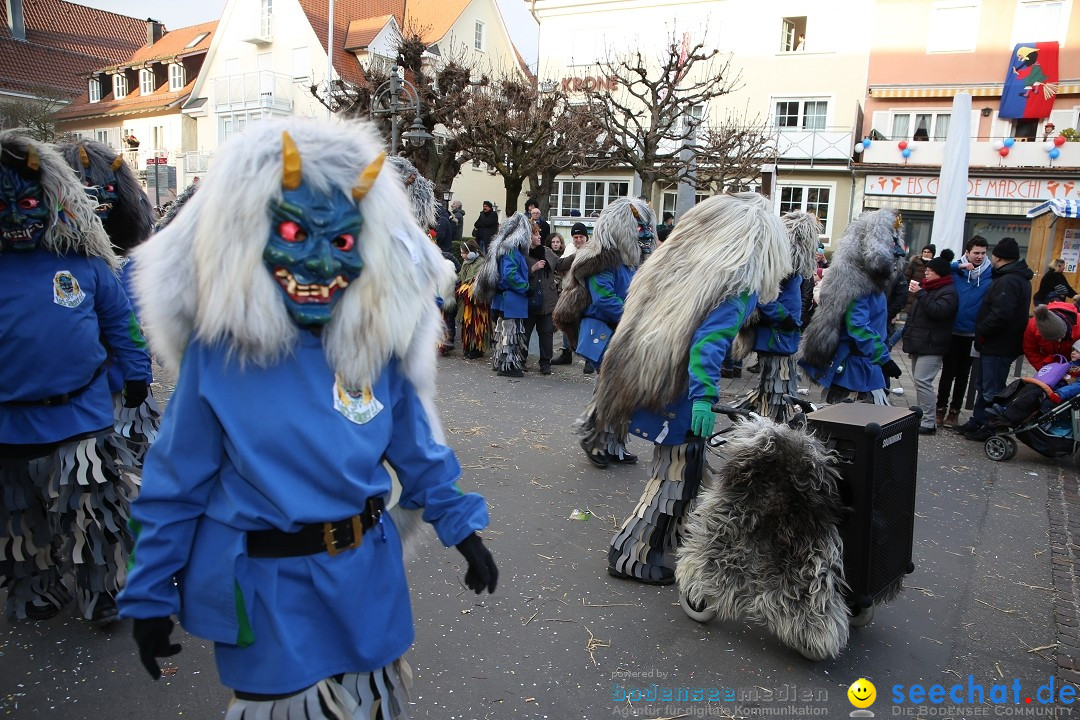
(728, 154)
(523, 133)
(33, 114)
(648, 114)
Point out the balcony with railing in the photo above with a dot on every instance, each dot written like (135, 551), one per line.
(253, 90)
(981, 153)
(826, 145)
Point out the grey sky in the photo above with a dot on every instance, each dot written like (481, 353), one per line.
(191, 12)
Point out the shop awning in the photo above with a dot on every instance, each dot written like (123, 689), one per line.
(948, 91)
(1061, 208)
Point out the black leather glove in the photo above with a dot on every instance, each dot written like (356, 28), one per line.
(152, 637)
(891, 369)
(482, 572)
(135, 392)
(788, 324)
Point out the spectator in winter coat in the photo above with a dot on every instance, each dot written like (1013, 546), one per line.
(1054, 286)
(971, 278)
(545, 229)
(457, 217)
(542, 266)
(916, 268)
(928, 334)
(444, 230)
(999, 330)
(1051, 332)
(485, 227)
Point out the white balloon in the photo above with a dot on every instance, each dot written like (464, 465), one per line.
(1048, 145)
(859, 147)
(998, 144)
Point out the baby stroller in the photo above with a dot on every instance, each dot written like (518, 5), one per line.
(1052, 433)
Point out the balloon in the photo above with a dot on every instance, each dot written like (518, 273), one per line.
(902, 144)
(1008, 142)
(906, 152)
(866, 142)
(998, 144)
(1048, 145)
(1055, 154)
(859, 147)
(1059, 140)
(1004, 152)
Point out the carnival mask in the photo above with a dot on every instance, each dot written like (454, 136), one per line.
(103, 195)
(24, 215)
(645, 239)
(313, 251)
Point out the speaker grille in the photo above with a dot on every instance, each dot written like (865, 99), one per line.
(893, 510)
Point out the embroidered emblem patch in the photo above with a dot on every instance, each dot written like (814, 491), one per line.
(66, 290)
(358, 406)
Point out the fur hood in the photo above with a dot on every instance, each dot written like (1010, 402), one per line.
(131, 219)
(721, 248)
(203, 275)
(420, 191)
(73, 226)
(862, 265)
(514, 234)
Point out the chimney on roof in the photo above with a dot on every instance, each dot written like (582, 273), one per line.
(154, 30)
(16, 23)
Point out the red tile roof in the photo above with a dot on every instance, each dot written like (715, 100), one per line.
(64, 42)
(433, 18)
(174, 43)
(362, 32)
(346, 64)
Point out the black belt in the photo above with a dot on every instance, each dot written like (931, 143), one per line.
(62, 398)
(330, 537)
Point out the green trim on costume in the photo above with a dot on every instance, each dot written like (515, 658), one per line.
(860, 334)
(697, 367)
(136, 527)
(135, 332)
(601, 290)
(245, 636)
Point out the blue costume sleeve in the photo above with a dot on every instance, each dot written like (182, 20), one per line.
(860, 327)
(119, 327)
(607, 306)
(428, 471)
(512, 276)
(711, 344)
(179, 474)
(787, 305)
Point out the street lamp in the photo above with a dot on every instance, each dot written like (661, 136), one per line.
(391, 98)
(446, 196)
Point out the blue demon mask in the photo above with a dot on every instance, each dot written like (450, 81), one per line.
(313, 251)
(104, 195)
(24, 214)
(645, 239)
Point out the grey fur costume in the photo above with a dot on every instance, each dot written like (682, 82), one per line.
(614, 242)
(419, 189)
(763, 542)
(508, 347)
(176, 205)
(131, 219)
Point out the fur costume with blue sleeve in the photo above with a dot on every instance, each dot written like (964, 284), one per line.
(607, 291)
(861, 351)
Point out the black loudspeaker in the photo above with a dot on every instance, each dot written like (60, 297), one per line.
(878, 448)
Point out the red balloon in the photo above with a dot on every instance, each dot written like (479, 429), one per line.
(902, 144)
(1003, 152)
(1059, 140)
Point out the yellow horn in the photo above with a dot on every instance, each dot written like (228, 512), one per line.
(635, 212)
(117, 163)
(290, 163)
(32, 160)
(83, 157)
(367, 178)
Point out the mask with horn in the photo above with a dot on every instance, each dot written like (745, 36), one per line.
(313, 251)
(104, 192)
(24, 214)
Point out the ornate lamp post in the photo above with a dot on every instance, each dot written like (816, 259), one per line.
(393, 97)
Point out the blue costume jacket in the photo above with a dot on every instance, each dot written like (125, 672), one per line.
(116, 375)
(279, 447)
(862, 350)
(971, 288)
(56, 311)
(607, 292)
(514, 284)
(711, 344)
(771, 337)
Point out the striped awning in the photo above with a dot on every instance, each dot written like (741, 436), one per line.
(1061, 208)
(974, 206)
(948, 91)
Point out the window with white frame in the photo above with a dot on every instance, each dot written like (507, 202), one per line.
(479, 36)
(102, 136)
(1040, 21)
(589, 197)
(177, 77)
(953, 26)
(94, 90)
(266, 18)
(808, 198)
(670, 202)
(927, 125)
(146, 81)
(301, 63)
(800, 113)
(792, 34)
(235, 122)
(119, 85)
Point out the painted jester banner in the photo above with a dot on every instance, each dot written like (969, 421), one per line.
(1032, 81)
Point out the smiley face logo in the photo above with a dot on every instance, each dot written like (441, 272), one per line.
(862, 693)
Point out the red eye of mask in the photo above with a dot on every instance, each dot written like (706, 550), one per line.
(29, 203)
(344, 242)
(291, 232)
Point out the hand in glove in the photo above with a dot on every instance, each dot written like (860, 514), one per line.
(702, 419)
(482, 572)
(135, 392)
(891, 369)
(152, 637)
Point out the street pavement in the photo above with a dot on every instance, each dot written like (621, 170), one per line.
(993, 594)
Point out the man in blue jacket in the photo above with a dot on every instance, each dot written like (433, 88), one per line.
(971, 278)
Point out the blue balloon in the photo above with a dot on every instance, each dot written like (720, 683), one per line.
(906, 152)
(1008, 142)
(866, 142)
(1055, 154)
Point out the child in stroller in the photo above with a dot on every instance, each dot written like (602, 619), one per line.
(1038, 411)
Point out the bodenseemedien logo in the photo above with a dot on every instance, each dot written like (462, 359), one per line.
(862, 694)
